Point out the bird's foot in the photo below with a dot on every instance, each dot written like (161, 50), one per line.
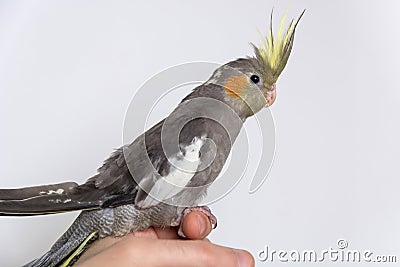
(204, 209)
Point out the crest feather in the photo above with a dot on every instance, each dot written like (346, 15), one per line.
(274, 51)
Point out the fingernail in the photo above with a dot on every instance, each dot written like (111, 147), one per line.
(202, 225)
(243, 258)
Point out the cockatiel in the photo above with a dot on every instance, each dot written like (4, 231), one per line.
(164, 172)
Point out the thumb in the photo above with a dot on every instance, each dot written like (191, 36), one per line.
(196, 225)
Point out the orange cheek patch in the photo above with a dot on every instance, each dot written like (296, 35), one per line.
(235, 85)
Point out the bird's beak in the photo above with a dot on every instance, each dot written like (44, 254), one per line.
(270, 95)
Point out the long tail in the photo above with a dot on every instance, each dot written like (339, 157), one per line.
(45, 199)
(63, 197)
(56, 198)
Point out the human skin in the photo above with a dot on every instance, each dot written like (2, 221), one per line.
(156, 247)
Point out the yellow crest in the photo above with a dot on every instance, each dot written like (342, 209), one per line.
(275, 50)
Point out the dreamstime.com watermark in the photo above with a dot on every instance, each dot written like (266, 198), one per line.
(340, 253)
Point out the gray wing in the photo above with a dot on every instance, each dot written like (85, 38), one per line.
(186, 152)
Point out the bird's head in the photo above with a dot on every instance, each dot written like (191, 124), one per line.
(250, 83)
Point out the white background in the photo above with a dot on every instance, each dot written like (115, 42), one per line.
(68, 70)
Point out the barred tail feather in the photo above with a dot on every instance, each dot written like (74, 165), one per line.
(69, 247)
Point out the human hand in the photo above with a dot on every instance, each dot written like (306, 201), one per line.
(162, 247)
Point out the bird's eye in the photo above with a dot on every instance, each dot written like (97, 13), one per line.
(255, 79)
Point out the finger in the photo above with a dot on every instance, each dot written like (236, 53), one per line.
(167, 233)
(98, 246)
(148, 233)
(196, 225)
(106, 242)
(135, 251)
(201, 253)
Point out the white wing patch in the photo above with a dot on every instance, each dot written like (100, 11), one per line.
(184, 167)
(52, 192)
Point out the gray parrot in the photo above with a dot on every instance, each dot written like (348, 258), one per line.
(165, 172)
